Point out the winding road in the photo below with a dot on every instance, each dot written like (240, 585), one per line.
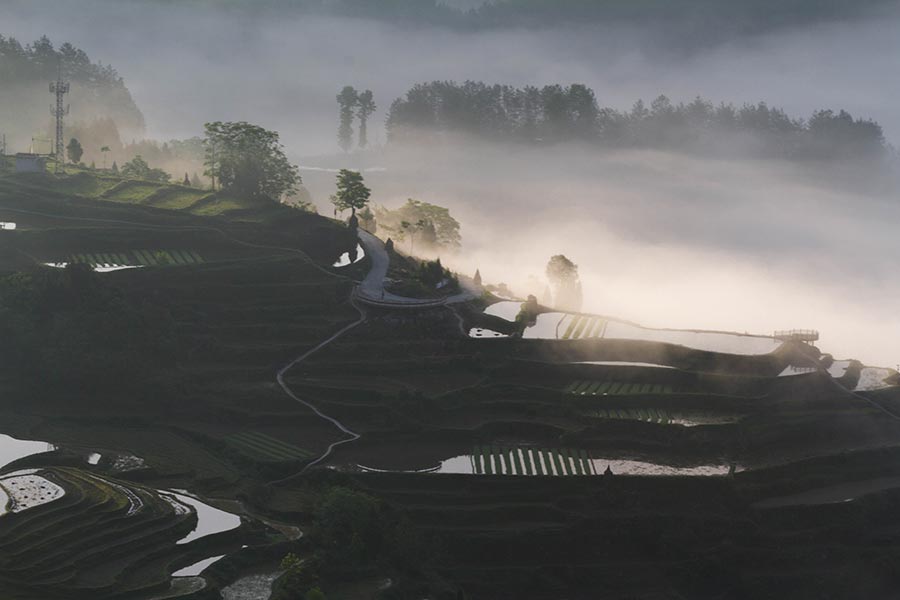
(370, 291)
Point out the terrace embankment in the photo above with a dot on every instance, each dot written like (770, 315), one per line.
(650, 537)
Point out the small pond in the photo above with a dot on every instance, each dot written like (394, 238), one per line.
(210, 520)
(346, 258)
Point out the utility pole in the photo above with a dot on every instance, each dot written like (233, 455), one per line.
(60, 88)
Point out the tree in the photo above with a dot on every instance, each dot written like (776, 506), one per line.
(187, 181)
(443, 231)
(249, 161)
(137, 168)
(563, 276)
(104, 150)
(115, 168)
(352, 192)
(348, 528)
(365, 106)
(315, 594)
(75, 151)
(195, 181)
(412, 229)
(347, 100)
(367, 220)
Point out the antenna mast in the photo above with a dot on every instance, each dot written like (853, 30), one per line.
(60, 88)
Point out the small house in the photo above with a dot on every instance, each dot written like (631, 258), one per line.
(30, 163)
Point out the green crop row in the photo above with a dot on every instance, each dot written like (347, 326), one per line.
(584, 327)
(491, 460)
(265, 448)
(139, 257)
(615, 388)
(650, 415)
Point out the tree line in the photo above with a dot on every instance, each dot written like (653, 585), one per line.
(555, 113)
(26, 69)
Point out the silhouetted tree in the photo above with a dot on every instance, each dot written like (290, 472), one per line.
(563, 276)
(74, 151)
(352, 192)
(365, 107)
(249, 161)
(347, 100)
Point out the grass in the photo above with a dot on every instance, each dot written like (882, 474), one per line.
(264, 448)
(615, 388)
(501, 460)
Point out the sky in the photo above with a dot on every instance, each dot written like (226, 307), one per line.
(661, 239)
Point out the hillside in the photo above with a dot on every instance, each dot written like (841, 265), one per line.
(98, 92)
(484, 454)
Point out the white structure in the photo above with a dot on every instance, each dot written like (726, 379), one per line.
(30, 163)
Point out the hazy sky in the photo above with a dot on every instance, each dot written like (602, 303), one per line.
(186, 66)
(661, 239)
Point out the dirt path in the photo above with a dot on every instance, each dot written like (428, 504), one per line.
(352, 435)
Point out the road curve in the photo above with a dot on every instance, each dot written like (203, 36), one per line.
(371, 290)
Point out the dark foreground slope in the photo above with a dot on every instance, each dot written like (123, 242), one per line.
(484, 461)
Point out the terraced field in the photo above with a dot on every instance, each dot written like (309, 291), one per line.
(649, 415)
(149, 258)
(265, 448)
(582, 327)
(102, 537)
(616, 388)
(492, 460)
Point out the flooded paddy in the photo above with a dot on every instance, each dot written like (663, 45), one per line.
(12, 449)
(251, 587)
(350, 257)
(564, 462)
(196, 568)
(478, 332)
(210, 520)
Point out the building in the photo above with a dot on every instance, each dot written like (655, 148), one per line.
(30, 163)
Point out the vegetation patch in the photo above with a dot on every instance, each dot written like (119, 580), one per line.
(616, 388)
(265, 448)
(496, 460)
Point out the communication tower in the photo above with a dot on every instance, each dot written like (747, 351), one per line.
(60, 88)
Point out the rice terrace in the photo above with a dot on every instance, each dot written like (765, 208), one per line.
(391, 330)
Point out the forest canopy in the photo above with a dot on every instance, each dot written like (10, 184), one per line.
(556, 113)
(97, 90)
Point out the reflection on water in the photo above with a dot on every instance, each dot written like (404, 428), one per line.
(251, 587)
(197, 567)
(12, 449)
(559, 462)
(349, 258)
(209, 519)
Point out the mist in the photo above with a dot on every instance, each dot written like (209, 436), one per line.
(663, 239)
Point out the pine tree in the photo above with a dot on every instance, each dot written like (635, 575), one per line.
(187, 181)
(347, 101)
(115, 168)
(365, 108)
